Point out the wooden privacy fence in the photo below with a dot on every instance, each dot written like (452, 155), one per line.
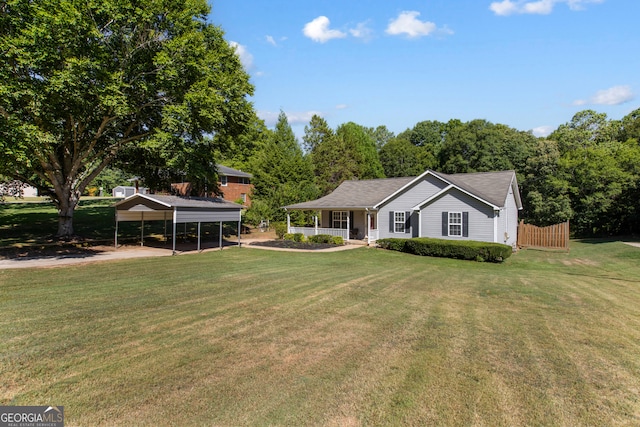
(553, 237)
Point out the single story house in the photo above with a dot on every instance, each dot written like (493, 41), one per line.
(178, 210)
(467, 206)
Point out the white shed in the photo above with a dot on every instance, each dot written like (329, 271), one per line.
(126, 191)
(180, 210)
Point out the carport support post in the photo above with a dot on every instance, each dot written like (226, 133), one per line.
(198, 237)
(220, 235)
(239, 228)
(116, 235)
(141, 228)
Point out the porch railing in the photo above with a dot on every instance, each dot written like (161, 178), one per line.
(312, 231)
(373, 236)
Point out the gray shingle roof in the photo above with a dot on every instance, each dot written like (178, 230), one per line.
(356, 194)
(491, 187)
(227, 171)
(182, 202)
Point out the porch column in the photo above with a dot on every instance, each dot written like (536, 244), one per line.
(116, 235)
(368, 226)
(316, 223)
(288, 222)
(348, 226)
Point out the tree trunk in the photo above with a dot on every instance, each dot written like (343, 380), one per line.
(66, 207)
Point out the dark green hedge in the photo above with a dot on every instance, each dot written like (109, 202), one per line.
(458, 249)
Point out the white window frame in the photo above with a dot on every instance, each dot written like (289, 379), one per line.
(399, 222)
(243, 197)
(340, 218)
(224, 180)
(455, 220)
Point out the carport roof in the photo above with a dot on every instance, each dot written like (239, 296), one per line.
(170, 202)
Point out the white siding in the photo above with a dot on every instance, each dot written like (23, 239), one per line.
(511, 219)
(481, 216)
(412, 196)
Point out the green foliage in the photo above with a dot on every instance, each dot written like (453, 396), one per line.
(280, 228)
(362, 149)
(320, 238)
(399, 157)
(381, 135)
(109, 178)
(294, 237)
(82, 81)
(481, 146)
(259, 211)
(458, 249)
(282, 175)
(337, 240)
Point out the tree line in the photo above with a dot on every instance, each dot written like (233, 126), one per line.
(586, 171)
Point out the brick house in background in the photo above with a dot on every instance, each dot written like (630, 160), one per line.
(235, 185)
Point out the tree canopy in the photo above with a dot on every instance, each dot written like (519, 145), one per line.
(82, 80)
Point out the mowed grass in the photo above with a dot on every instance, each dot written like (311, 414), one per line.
(363, 337)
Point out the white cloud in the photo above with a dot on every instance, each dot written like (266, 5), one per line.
(245, 57)
(294, 118)
(613, 96)
(341, 106)
(541, 7)
(542, 131)
(362, 31)
(271, 40)
(318, 30)
(538, 7)
(408, 23)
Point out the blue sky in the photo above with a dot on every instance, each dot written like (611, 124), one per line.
(528, 64)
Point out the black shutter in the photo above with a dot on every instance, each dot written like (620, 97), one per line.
(407, 222)
(445, 223)
(465, 224)
(391, 219)
(330, 225)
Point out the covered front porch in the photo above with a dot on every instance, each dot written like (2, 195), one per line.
(350, 224)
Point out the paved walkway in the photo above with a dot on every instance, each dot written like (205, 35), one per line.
(109, 253)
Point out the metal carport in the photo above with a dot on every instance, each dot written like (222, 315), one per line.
(180, 210)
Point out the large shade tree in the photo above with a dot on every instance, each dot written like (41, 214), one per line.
(80, 80)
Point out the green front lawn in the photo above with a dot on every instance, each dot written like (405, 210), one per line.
(362, 337)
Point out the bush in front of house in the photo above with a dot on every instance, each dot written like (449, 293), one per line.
(295, 237)
(280, 228)
(457, 249)
(326, 238)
